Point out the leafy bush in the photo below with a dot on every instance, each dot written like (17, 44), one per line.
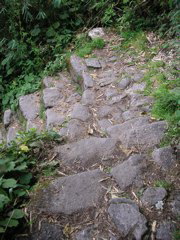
(19, 168)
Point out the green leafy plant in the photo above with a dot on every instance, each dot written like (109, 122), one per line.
(19, 169)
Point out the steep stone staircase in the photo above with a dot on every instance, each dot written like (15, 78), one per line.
(110, 160)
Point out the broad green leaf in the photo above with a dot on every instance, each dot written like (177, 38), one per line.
(16, 214)
(9, 222)
(3, 200)
(9, 183)
(25, 179)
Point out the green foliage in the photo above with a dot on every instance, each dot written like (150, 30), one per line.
(18, 172)
(163, 184)
(86, 46)
(35, 34)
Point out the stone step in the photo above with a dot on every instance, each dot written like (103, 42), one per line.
(72, 194)
(139, 133)
(90, 151)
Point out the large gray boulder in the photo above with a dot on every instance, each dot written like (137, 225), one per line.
(80, 112)
(127, 218)
(129, 172)
(87, 152)
(71, 194)
(51, 96)
(164, 157)
(30, 106)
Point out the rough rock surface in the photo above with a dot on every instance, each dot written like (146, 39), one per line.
(11, 134)
(80, 112)
(153, 195)
(87, 80)
(7, 118)
(92, 63)
(77, 67)
(88, 97)
(30, 106)
(72, 194)
(127, 218)
(124, 83)
(74, 130)
(51, 96)
(129, 172)
(139, 133)
(175, 203)
(48, 231)
(88, 151)
(164, 157)
(53, 118)
(165, 231)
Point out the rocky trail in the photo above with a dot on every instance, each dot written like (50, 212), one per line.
(111, 159)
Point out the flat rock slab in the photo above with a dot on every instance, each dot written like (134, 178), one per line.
(7, 118)
(88, 151)
(53, 118)
(129, 172)
(72, 194)
(92, 63)
(88, 97)
(51, 97)
(139, 133)
(30, 106)
(153, 195)
(165, 231)
(164, 157)
(77, 67)
(127, 218)
(81, 112)
(74, 130)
